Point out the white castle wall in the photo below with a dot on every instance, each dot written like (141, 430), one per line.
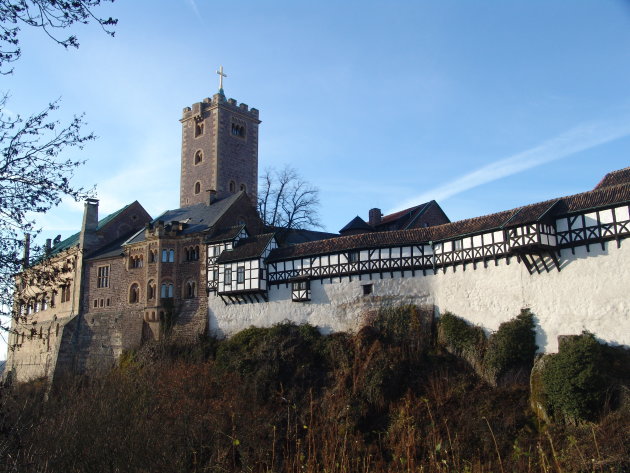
(591, 292)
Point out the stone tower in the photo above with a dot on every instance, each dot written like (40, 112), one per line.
(219, 150)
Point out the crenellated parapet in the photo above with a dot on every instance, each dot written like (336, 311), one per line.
(201, 109)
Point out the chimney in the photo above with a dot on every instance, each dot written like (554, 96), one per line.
(48, 245)
(374, 217)
(27, 251)
(212, 196)
(90, 215)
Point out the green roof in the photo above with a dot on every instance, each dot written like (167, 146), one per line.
(74, 239)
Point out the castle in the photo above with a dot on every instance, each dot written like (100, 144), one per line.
(211, 266)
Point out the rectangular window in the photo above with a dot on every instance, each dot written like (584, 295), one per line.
(353, 256)
(240, 275)
(367, 289)
(227, 277)
(65, 293)
(102, 279)
(301, 291)
(95, 302)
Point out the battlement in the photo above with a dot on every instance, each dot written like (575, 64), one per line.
(197, 109)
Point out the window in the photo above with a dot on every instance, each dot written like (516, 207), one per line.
(301, 291)
(171, 256)
(65, 293)
(101, 302)
(198, 157)
(136, 262)
(238, 128)
(151, 290)
(198, 128)
(191, 290)
(215, 275)
(232, 186)
(240, 275)
(197, 187)
(367, 289)
(134, 293)
(102, 279)
(353, 257)
(166, 291)
(227, 277)
(151, 257)
(95, 303)
(457, 245)
(243, 188)
(164, 256)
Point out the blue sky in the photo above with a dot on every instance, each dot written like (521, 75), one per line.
(482, 105)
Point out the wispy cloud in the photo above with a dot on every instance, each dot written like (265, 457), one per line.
(580, 138)
(193, 5)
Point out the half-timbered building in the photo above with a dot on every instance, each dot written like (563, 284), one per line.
(211, 266)
(540, 256)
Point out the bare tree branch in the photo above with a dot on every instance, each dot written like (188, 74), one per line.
(285, 200)
(49, 15)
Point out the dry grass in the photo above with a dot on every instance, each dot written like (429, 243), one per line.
(363, 404)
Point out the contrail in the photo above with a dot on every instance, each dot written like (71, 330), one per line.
(580, 138)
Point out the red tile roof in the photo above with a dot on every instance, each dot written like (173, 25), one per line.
(622, 176)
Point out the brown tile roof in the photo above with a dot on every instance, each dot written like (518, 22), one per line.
(586, 200)
(621, 176)
(247, 248)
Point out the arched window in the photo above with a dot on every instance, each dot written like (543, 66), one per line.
(198, 157)
(232, 186)
(196, 253)
(198, 129)
(164, 256)
(166, 291)
(134, 293)
(151, 290)
(171, 256)
(197, 187)
(191, 290)
(243, 188)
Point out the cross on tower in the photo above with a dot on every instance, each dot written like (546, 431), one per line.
(221, 76)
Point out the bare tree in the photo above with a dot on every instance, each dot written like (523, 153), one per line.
(34, 174)
(287, 201)
(49, 15)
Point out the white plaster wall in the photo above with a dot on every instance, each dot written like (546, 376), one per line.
(591, 292)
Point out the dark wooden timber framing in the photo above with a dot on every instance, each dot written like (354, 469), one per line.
(537, 245)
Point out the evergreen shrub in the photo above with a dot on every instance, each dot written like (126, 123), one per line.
(574, 379)
(461, 338)
(512, 347)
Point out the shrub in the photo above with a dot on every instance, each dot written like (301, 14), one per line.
(461, 338)
(512, 347)
(574, 380)
(286, 357)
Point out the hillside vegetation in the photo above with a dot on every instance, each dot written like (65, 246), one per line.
(402, 395)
